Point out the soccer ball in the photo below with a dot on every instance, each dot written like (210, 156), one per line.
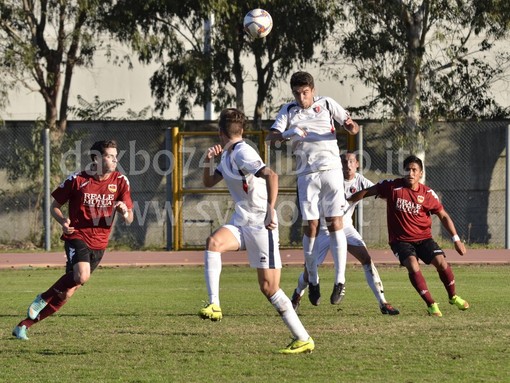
(257, 23)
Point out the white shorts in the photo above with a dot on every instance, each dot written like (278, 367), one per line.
(262, 245)
(321, 245)
(325, 188)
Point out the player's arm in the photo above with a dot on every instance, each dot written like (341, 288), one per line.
(358, 196)
(351, 126)
(57, 214)
(127, 214)
(448, 224)
(210, 176)
(272, 193)
(275, 136)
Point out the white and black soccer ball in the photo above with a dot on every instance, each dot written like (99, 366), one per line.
(258, 23)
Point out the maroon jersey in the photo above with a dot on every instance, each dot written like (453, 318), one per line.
(91, 205)
(408, 211)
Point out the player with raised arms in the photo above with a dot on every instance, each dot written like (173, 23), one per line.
(253, 225)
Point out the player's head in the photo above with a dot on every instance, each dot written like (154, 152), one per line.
(104, 156)
(413, 170)
(303, 88)
(232, 123)
(350, 165)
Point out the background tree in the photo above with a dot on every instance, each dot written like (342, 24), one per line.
(42, 42)
(426, 60)
(172, 35)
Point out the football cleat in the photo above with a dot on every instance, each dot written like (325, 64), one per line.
(314, 294)
(434, 311)
(299, 346)
(296, 299)
(338, 293)
(387, 308)
(20, 332)
(459, 302)
(36, 307)
(212, 312)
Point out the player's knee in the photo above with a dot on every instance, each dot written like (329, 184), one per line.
(212, 244)
(81, 279)
(268, 289)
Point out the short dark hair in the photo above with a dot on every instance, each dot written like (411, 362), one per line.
(232, 122)
(302, 79)
(100, 146)
(412, 159)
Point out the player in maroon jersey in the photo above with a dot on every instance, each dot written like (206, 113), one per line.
(410, 205)
(94, 196)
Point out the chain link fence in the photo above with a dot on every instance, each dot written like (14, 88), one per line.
(465, 165)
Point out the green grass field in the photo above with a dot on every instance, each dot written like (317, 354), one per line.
(140, 325)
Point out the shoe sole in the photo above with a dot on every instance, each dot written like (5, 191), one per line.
(214, 319)
(390, 312)
(306, 351)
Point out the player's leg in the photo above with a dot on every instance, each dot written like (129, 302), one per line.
(226, 238)
(77, 272)
(420, 285)
(309, 188)
(269, 282)
(338, 246)
(445, 274)
(49, 309)
(262, 246)
(332, 202)
(372, 277)
(406, 253)
(321, 248)
(81, 262)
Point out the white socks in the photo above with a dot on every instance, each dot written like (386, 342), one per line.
(283, 305)
(301, 284)
(212, 272)
(374, 281)
(310, 259)
(338, 246)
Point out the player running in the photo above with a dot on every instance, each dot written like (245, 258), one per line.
(253, 226)
(410, 205)
(94, 196)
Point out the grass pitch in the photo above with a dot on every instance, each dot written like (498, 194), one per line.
(140, 325)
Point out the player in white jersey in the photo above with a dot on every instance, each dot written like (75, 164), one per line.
(253, 226)
(353, 182)
(309, 125)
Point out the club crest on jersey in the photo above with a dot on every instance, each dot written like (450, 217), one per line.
(421, 199)
(317, 109)
(112, 188)
(352, 189)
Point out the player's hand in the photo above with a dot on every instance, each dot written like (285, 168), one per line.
(270, 220)
(460, 247)
(122, 208)
(214, 151)
(66, 227)
(297, 131)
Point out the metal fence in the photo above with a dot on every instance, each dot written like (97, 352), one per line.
(465, 165)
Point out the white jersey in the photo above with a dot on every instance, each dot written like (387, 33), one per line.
(238, 167)
(318, 150)
(350, 186)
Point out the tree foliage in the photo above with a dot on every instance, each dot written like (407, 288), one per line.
(426, 60)
(192, 74)
(42, 42)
